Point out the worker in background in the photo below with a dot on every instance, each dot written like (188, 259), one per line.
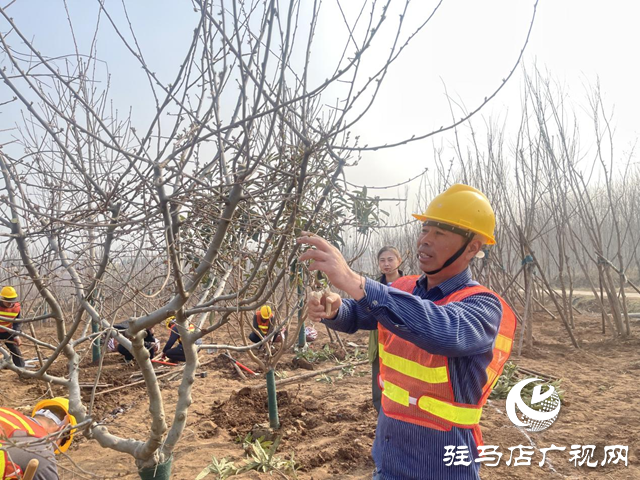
(389, 260)
(151, 343)
(18, 431)
(175, 354)
(443, 338)
(9, 311)
(263, 322)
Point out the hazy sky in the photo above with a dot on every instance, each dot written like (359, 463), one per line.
(469, 46)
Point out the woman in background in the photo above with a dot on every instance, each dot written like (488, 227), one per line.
(389, 261)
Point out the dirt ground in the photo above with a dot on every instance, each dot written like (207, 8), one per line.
(328, 422)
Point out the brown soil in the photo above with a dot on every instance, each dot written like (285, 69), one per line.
(328, 424)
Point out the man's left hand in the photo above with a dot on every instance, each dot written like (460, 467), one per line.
(317, 308)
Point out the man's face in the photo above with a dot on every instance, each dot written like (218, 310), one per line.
(64, 438)
(6, 304)
(436, 246)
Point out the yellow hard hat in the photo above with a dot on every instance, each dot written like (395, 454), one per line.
(170, 321)
(8, 294)
(265, 311)
(464, 207)
(62, 403)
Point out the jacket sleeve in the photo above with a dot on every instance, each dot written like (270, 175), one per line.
(47, 468)
(149, 338)
(457, 329)
(18, 326)
(352, 317)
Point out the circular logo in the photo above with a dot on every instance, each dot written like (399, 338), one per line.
(542, 412)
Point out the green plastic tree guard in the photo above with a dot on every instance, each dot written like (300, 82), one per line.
(274, 420)
(161, 471)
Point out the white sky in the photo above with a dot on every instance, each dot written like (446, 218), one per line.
(470, 45)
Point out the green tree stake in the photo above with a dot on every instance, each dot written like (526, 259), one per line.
(95, 348)
(302, 338)
(274, 420)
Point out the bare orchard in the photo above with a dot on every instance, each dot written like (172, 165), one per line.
(191, 212)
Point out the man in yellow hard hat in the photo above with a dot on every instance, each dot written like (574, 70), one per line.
(263, 323)
(9, 312)
(20, 438)
(171, 352)
(443, 338)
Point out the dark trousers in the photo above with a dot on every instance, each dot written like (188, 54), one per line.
(128, 356)
(14, 349)
(376, 392)
(175, 354)
(255, 338)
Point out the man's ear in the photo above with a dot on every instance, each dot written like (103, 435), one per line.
(474, 247)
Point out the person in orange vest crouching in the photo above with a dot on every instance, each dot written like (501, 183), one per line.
(263, 323)
(20, 439)
(443, 338)
(175, 354)
(9, 311)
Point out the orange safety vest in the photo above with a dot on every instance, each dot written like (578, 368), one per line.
(9, 314)
(417, 384)
(12, 421)
(263, 323)
(191, 328)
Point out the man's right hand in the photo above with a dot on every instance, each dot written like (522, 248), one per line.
(317, 306)
(328, 259)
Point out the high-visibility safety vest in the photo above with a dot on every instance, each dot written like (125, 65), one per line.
(416, 384)
(8, 469)
(9, 314)
(263, 323)
(12, 421)
(174, 327)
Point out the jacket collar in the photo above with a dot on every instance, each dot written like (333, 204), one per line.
(448, 286)
(383, 278)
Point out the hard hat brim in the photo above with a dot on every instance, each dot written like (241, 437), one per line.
(424, 218)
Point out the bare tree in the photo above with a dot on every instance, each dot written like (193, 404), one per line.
(563, 197)
(193, 214)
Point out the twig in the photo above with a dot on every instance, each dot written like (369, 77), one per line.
(33, 334)
(176, 371)
(304, 376)
(240, 372)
